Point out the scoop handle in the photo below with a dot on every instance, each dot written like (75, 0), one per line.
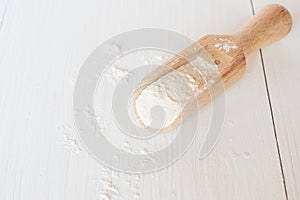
(270, 24)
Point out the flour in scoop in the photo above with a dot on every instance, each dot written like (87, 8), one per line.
(173, 91)
(225, 45)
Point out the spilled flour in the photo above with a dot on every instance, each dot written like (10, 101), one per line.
(70, 140)
(97, 121)
(72, 143)
(173, 91)
(117, 185)
(112, 49)
(109, 190)
(115, 74)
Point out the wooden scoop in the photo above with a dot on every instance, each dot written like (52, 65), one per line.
(227, 53)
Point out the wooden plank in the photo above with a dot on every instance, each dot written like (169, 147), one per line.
(44, 43)
(282, 73)
(3, 6)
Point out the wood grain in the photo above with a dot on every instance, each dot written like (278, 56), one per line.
(269, 24)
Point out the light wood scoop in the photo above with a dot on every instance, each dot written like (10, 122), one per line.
(270, 24)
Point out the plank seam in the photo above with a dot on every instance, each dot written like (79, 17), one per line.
(273, 122)
(272, 113)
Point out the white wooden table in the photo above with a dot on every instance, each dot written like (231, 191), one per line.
(42, 47)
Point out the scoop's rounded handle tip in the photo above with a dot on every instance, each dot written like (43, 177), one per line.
(270, 24)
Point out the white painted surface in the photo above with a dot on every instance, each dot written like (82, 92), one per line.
(44, 43)
(283, 78)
